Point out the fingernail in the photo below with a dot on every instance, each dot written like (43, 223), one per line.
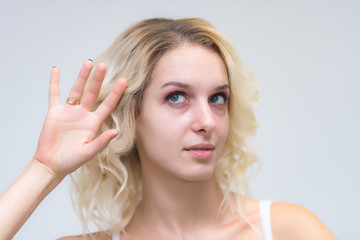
(114, 136)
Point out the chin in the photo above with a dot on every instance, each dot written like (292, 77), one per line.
(199, 173)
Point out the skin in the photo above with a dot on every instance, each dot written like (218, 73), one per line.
(188, 94)
(66, 142)
(184, 105)
(179, 110)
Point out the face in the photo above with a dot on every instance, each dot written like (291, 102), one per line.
(184, 120)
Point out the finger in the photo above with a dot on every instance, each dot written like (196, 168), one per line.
(93, 90)
(100, 143)
(54, 92)
(79, 85)
(111, 100)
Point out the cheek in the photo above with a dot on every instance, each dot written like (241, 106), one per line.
(223, 128)
(159, 131)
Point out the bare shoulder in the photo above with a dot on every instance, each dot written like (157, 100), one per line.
(79, 237)
(92, 236)
(292, 221)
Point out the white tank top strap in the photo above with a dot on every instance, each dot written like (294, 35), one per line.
(266, 219)
(115, 236)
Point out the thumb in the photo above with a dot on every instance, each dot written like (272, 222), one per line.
(101, 142)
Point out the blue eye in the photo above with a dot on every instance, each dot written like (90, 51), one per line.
(218, 99)
(176, 98)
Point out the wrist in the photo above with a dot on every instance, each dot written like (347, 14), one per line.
(43, 172)
(22, 197)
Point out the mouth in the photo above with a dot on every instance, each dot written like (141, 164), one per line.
(201, 151)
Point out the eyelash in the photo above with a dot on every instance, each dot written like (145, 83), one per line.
(223, 95)
(168, 97)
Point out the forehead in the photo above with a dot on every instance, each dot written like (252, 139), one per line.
(190, 64)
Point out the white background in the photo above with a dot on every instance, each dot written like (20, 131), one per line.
(306, 53)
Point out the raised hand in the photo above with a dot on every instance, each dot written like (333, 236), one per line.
(67, 139)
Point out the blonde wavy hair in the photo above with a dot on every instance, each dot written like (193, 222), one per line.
(107, 189)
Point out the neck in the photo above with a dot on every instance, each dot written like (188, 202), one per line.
(177, 206)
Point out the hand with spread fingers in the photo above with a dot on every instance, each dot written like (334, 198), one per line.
(67, 139)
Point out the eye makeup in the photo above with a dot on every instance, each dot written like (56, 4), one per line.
(177, 97)
(178, 93)
(218, 98)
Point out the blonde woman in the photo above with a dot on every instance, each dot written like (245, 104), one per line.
(168, 160)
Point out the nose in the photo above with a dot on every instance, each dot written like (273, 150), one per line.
(203, 118)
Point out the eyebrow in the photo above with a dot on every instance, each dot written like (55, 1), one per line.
(187, 86)
(177, 84)
(225, 86)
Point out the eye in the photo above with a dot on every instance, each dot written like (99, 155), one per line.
(218, 98)
(176, 97)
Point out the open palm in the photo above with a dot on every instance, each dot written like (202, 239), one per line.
(68, 137)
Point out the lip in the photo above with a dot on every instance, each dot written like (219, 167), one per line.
(201, 150)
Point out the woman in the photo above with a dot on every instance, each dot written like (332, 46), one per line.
(169, 159)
